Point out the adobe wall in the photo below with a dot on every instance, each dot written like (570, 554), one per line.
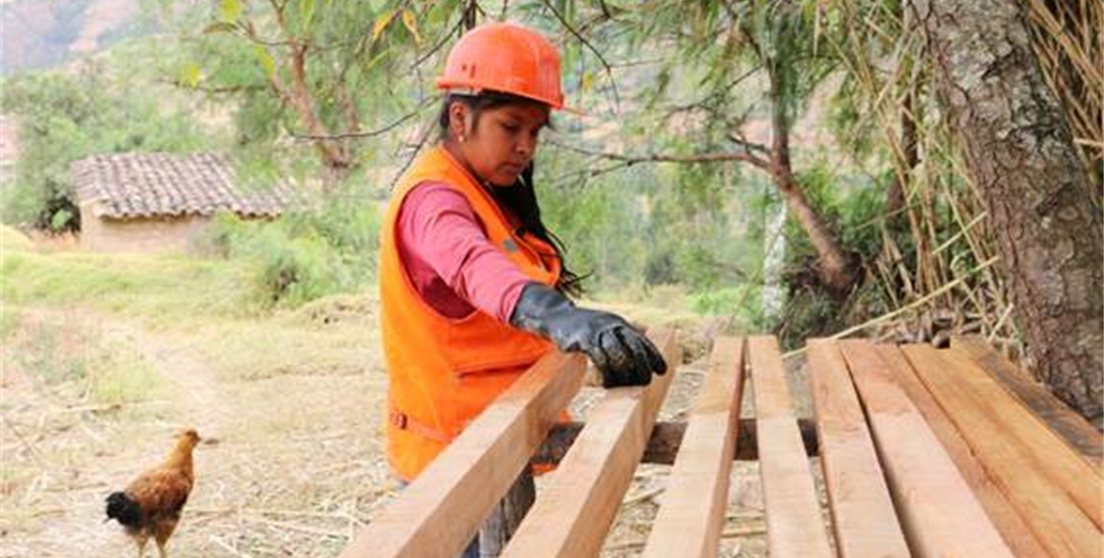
(173, 234)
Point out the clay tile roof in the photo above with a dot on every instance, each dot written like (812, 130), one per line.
(131, 185)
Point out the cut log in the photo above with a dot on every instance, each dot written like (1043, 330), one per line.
(666, 438)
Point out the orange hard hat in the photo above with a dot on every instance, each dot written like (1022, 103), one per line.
(507, 58)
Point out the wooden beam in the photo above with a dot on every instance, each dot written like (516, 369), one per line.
(573, 514)
(1052, 515)
(940, 514)
(1070, 426)
(795, 526)
(440, 512)
(663, 446)
(690, 522)
(1005, 517)
(864, 521)
(1065, 467)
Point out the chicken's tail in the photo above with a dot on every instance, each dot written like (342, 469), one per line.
(124, 510)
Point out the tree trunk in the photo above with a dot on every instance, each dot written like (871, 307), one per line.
(1023, 160)
(334, 155)
(836, 269)
(774, 258)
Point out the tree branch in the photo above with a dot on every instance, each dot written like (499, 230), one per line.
(629, 160)
(368, 134)
(714, 95)
(597, 53)
(215, 90)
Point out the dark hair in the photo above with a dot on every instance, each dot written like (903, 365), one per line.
(521, 198)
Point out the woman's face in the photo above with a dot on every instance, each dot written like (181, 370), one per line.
(502, 143)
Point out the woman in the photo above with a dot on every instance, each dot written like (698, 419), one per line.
(472, 284)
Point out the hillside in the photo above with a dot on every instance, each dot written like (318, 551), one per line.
(52, 31)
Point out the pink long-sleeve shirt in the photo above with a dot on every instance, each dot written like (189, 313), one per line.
(450, 261)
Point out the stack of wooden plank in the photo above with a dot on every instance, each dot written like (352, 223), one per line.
(924, 452)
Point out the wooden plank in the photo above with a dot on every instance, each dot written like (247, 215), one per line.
(1006, 519)
(690, 522)
(1070, 426)
(440, 512)
(1055, 519)
(1066, 468)
(940, 514)
(573, 514)
(795, 526)
(663, 446)
(864, 521)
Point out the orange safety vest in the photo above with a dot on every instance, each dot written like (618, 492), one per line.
(443, 372)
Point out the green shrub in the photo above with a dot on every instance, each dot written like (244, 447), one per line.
(727, 301)
(306, 255)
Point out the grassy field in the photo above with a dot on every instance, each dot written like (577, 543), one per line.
(105, 357)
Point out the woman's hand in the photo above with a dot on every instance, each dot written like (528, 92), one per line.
(623, 355)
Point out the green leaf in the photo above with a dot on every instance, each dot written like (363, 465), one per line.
(60, 219)
(220, 27)
(588, 82)
(307, 11)
(411, 25)
(381, 23)
(191, 74)
(230, 10)
(266, 60)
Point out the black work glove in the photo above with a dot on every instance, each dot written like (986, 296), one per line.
(622, 354)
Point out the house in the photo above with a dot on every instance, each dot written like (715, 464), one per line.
(154, 202)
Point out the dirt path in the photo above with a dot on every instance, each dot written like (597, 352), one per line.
(72, 474)
(197, 396)
(260, 477)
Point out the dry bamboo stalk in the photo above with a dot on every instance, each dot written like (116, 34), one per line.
(888, 316)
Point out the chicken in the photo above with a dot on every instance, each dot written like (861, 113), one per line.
(150, 506)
